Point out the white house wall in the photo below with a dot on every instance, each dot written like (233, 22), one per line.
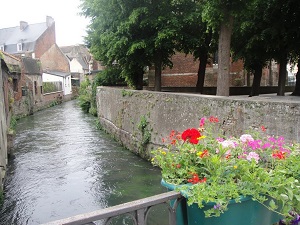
(75, 66)
(66, 82)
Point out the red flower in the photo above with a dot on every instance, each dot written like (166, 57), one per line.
(178, 166)
(228, 156)
(173, 142)
(213, 119)
(278, 155)
(191, 135)
(195, 179)
(263, 128)
(204, 153)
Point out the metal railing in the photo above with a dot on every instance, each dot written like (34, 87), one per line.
(138, 210)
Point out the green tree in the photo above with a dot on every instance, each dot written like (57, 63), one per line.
(133, 34)
(193, 36)
(250, 44)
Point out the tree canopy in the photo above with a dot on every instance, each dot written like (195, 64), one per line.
(135, 34)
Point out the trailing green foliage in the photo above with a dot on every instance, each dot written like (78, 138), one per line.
(98, 125)
(111, 76)
(143, 126)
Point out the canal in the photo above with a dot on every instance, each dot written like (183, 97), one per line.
(65, 166)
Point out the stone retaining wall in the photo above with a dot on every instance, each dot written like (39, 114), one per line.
(130, 116)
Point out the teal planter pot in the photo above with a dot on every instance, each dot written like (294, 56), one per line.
(181, 211)
(247, 212)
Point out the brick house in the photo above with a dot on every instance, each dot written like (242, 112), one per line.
(36, 41)
(24, 84)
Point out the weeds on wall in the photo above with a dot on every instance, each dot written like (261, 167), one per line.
(12, 125)
(1, 197)
(143, 126)
(127, 93)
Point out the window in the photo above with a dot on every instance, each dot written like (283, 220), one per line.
(15, 84)
(24, 91)
(35, 88)
(19, 47)
(2, 48)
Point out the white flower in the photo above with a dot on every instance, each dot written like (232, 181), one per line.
(246, 138)
(228, 144)
(253, 155)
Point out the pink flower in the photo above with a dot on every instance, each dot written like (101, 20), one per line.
(202, 121)
(246, 138)
(255, 144)
(252, 155)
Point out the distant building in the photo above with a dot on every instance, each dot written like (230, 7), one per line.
(31, 40)
(81, 62)
(36, 41)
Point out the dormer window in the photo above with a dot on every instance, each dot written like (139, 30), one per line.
(2, 48)
(19, 47)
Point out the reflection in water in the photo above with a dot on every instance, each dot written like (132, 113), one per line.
(64, 166)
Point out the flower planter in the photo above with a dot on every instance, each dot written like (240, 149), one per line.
(247, 212)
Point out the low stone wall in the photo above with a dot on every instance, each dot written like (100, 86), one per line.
(140, 119)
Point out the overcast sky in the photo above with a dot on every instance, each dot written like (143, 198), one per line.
(69, 26)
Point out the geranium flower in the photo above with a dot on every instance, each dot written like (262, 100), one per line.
(246, 138)
(278, 154)
(191, 135)
(202, 122)
(253, 155)
(195, 179)
(228, 144)
(213, 119)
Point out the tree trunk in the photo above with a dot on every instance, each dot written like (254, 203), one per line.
(256, 80)
(201, 71)
(282, 75)
(139, 79)
(224, 56)
(248, 79)
(270, 74)
(296, 92)
(157, 66)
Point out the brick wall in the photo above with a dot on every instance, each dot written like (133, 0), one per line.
(55, 60)
(185, 68)
(45, 42)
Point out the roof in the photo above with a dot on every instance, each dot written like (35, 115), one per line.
(74, 51)
(10, 37)
(82, 62)
(58, 73)
(13, 63)
(31, 66)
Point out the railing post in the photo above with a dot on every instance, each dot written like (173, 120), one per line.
(141, 217)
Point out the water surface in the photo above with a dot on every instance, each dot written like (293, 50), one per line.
(64, 166)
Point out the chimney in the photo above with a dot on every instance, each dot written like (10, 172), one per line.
(49, 21)
(23, 25)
